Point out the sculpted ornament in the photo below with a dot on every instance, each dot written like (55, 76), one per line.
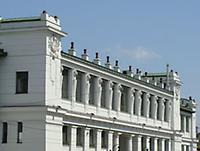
(54, 44)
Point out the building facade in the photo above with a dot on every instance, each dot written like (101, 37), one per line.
(54, 100)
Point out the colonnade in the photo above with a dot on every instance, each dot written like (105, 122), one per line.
(115, 141)
(116, 96)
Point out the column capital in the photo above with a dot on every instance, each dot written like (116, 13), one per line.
(111, 84)
(73, 126)
(88, 77)
(99, 130)
(99, 80)
(138, 92)
(74, 72)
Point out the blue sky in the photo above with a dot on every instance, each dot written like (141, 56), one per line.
(144, 34)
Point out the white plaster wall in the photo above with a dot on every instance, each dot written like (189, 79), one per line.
(26, 52)
(33, 136)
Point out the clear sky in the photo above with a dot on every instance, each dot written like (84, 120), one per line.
(144, 34)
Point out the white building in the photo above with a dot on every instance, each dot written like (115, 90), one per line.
(53, 100)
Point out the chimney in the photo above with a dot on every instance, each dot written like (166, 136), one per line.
(71, 50)
(84, 55)
(107, 64)
(96, 60)
(116, 67)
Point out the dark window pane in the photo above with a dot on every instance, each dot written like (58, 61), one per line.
(19, 132)
(5, 132)
(22, 82)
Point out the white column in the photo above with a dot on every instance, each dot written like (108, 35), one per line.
(110, 140)
(154, 144)
(97, 91)
(147, 143)
(168, 111)
(161, 144)
(86, 88)
(117, 97)
(73, 138)
(130, 100)
(137, 143)
(168, 147)
(86, 135)
(116, 141)
(138, 100)
(98, 139)
(109, 94)
(72, 84)
(146, 104)
(161, 109)
(154, 106)
(130, 143)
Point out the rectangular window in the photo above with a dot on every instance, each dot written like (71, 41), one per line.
(79, 137)
(5, 132)
(65, 135)
(187, 124)
(19, 132)
(21, 82)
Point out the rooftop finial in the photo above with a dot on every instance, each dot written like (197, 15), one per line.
(84, 55)
(72, 51)
(108, 59)
(85, 51)
(97, 55)
(116, 63)
(130, 68)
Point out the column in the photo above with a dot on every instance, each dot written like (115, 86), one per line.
(137, 143)
(168, 111)
(73, 138)
(86, 135)
(117, 97)
(146, 104)
(97, 91)
(98, 139)
(154, 144)
(161, 146)
(161, 109)
(129, 143)
(147, 143)
(154, 106)
(86, 88)
(72, 84)
(109, 94)
(116, 141)
(138, 100)
(110, 140)
(168, 145)
(130, 100)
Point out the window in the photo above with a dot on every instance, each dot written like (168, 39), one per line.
(65, 131)
(79, 137)
(104, 139)
(19, 132)
(21, 82)
(187, 124)
(92, 138)
(4, 132)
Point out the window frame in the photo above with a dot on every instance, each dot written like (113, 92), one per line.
(23, 80)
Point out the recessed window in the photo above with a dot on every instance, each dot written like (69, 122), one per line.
(19, 132)
(21, 82)
(66, 135)
(5, 132)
